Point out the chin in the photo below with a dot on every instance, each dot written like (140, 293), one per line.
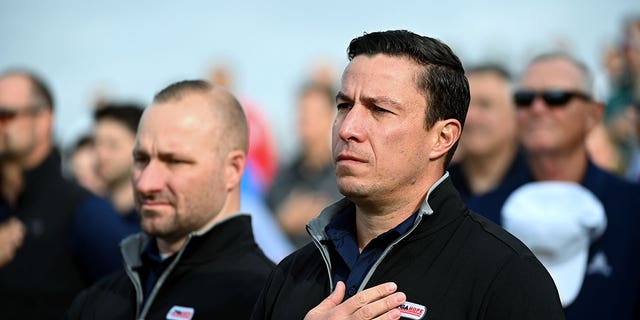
(157, 231)
(352, 190)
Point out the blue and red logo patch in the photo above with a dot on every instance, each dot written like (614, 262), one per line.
(180, 313)
(412, 310)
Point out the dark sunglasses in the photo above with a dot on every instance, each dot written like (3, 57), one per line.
(8, 114)
(552, 98)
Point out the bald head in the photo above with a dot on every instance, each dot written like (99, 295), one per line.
(224, 109)
(39, 93)
(27, 121)
(189, 158)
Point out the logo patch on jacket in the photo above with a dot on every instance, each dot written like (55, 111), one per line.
(412, 310)
(180, 313)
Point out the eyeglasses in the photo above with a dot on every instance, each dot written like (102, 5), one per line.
(552, 98)
(9, 114)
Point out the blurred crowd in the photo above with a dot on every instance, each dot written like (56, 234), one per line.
(63, 212)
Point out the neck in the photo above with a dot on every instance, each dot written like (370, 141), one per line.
(40, 152)
(121, 196)
(11, 181)
(383, 214)
(559, 167)
(370, 227)
(485, 172)
(168, 247)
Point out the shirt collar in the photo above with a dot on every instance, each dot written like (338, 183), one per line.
(343, 224)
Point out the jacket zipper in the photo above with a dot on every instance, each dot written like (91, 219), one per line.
(325, 256)
(386, 251)
(160, 281)
(135, 279)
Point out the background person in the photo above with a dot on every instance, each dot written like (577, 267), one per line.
(304, 187)
(67, 237)
(114, 134)
(556, 113)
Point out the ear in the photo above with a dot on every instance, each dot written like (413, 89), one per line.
(448, 132)
(44, 119)
(594, 114)
(234, 168)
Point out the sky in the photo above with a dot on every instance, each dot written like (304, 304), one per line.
(129, 50)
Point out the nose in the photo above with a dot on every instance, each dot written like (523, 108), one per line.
(538, 104)
(148, 179)
(350, 123)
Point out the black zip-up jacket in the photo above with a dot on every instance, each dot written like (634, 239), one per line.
(453, 264)
(45, 275)
(218, 274)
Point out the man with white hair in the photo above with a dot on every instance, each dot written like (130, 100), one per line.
(556, 113)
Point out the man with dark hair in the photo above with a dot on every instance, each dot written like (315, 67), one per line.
(81, 165)
(63, 237)
(197, 258)
(402, 243)
(114, 134)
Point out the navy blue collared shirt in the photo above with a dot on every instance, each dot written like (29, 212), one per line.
(153, 266)
(349, 264)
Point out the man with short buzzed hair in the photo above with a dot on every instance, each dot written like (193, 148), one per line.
(197, 258)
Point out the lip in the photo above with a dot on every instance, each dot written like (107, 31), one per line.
(153, 204)
(348, 157)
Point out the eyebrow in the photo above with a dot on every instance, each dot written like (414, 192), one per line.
(342, 96)
(384, 100)
(137, 152)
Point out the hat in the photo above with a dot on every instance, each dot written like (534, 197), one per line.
(557, 221)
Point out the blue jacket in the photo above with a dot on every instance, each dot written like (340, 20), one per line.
(611, 288)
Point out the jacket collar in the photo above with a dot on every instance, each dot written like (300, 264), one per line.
(50, 164)
(225, 235)
(438, 195)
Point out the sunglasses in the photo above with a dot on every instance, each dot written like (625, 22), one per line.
(8, 114)
(552, 98)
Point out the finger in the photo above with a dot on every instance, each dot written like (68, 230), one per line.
(369, 295)
(392, 314)
(384, 308)
(16, 231)
(334, 299)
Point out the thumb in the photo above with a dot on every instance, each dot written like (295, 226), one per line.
(334, 299)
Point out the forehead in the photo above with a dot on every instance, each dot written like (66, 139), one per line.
(482, 76)
(15, 90)
(486, 80)
(184, 124)
(110, 125)
(381, 74)
(552, 73)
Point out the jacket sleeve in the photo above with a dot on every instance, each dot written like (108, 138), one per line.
(97, 232)
(75, 311)
(523, 290)
(265, 301)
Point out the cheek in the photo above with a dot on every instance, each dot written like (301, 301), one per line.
(335, 139)
(402, 143)
(522, 120)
